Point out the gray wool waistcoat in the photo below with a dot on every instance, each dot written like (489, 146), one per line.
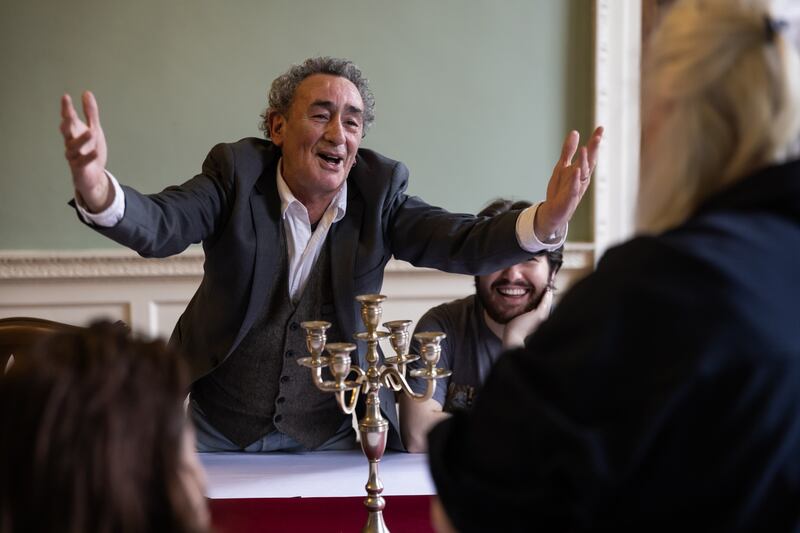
(260, 386)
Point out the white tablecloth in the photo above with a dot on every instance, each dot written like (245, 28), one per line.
(315, 474)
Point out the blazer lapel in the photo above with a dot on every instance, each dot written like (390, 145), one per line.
(265, 205)
(344, 243)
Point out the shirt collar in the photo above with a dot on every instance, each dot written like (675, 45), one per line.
(288, 200)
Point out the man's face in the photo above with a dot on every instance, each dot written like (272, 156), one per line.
(320, 136)
(508, 293)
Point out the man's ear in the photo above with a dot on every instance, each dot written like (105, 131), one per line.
(551, 281)
(277, 127)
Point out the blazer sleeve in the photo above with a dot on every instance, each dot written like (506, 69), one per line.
(166, 223)
(429, 236)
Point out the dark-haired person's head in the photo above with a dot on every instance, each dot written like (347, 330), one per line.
(94, 438)
(510, 292)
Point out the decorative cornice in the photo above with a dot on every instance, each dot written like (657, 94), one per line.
(91, 264)
(25, 265)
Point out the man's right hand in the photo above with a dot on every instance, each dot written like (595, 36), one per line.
(86, 153)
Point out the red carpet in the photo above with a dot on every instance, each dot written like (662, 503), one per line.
(403, 514)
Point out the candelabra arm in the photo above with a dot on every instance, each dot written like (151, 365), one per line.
(316, 377)
(348, 407)
(389, 379)
(391, 375)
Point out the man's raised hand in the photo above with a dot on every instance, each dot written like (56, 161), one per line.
(567, 185)
(86, 152)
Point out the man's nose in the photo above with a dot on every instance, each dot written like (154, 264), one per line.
(513, 273)
(334, 133)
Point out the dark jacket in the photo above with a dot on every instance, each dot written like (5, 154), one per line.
(662, 395)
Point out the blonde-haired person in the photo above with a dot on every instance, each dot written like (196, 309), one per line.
(663, 394)
(721, 100)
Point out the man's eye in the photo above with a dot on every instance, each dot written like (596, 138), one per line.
(320, 116)
(353, 123)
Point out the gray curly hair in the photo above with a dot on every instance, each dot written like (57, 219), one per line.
(282, 91)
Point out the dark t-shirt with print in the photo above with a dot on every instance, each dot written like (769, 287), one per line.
(469, 350)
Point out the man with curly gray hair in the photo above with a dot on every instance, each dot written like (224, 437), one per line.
(293, 228)
(284, 87)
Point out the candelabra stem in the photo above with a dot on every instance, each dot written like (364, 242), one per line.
(374, 502)
(373, 429)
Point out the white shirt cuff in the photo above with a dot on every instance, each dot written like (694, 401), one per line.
(526, 236)
(111, 215)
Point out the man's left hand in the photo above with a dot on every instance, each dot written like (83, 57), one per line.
(520, 327)
(567, 185)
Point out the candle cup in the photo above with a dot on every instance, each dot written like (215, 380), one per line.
(430, 346)
(340, 361)
(315, 337)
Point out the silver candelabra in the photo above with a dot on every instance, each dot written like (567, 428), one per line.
(372, 427)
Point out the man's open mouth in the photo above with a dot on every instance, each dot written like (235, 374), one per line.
(513, 292)
(332, 159)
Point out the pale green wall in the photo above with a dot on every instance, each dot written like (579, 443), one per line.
(474, 96)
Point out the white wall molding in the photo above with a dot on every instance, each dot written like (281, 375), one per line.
(150, 294)
(43, 264)
(92, 264)
(617, 56)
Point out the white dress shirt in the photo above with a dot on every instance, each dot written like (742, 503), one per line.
(303, 245)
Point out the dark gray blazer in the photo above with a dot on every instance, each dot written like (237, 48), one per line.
(233, 208)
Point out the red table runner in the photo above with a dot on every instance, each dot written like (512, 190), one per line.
(403, 514)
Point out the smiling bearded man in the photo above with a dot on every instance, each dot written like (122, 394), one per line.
(514, 291)
(508, 305)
